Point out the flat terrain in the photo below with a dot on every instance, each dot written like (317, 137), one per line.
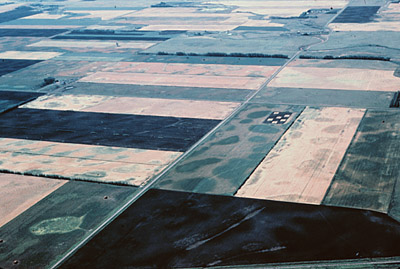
(245, 134)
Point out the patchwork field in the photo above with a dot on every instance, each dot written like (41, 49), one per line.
(222, 134)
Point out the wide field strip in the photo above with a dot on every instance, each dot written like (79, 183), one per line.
(280, 8)
(203, 27)
(284, 3)
(87, 152)
(176, 80)
(302, 164)
(106, 129)
(370, 27)
(337, 78)
(324, 97)
(34, 32)
(44, 27)
(103, 14)
(344, 63)
(28, 55)
(136, 106)
(18, 193)
(83, 162)
(164, 92)
(174, 12)
(185, 21)
(92, 44)
(369, 171)
(46, 16)
(78, 168)
(193, 69)
(209, 60)
(288, 11)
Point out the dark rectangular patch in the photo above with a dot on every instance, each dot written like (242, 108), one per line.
(166, 229)
(357, 14)
(17, 13)
(120, 130)
(18, 96)
(172, 32)
(11, 65)
(120, 35)
(208, 60)
(31, 32)
(150, 20)
(11, 99)
(112, 37)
